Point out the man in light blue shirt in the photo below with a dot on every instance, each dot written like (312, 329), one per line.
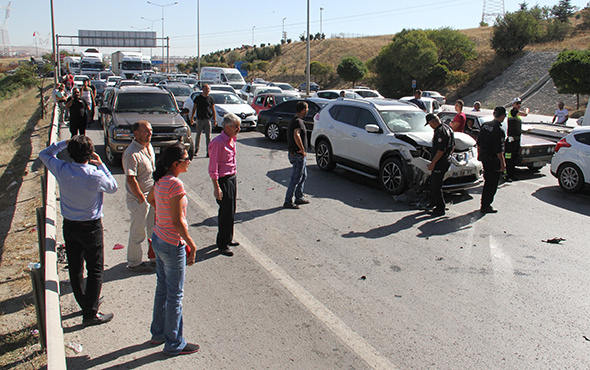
(81, 187)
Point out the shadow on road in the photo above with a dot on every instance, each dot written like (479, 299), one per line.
(85, 362)
(445, 225)
(572, 202)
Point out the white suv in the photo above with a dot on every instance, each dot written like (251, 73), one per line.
(387, 139)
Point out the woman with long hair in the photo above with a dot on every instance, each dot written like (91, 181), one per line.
(170, 241)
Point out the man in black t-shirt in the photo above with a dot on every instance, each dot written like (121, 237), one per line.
(490, 149)
(297, 144)
(418, 100)
(443, 142)
(205, 108)
(78, 110)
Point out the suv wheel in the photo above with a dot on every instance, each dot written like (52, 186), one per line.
(273, 131)
(392, 176)
(323, 155)
(570, 178)
(112, 159)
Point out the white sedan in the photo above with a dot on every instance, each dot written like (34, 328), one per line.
(571, 161)
(226, 102)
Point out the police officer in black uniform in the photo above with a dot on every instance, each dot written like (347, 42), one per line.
(512, 145)
(443, 142)
(490, 148)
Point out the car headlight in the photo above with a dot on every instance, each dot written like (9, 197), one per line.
(222, 112)
(122, 133)
(181, 131)
(461, 156)
(551, 149)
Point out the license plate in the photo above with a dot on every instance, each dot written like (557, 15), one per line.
(157, 150)
(462, 173)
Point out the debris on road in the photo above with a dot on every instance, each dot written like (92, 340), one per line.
(553, 241)
(363, 277)
(76, 347)
(118, 246)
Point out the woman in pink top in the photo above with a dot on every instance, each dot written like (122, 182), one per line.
(169, 241)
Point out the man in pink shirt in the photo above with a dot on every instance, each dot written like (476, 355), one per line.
(222, 170)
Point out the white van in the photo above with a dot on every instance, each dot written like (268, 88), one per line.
(229, 76)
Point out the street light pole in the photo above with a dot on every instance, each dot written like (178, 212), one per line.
(307, 74)
(163, 6)
(283, 35)
(321, 11)
(152, 28)
(198, 44)
(253, 27)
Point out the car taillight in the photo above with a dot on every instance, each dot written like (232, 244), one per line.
(562, 144)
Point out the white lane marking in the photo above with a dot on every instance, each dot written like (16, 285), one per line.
(356, 343)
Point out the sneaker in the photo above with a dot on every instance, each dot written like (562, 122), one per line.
(436, 212)
(98, 319)
(187, 350)
(301, 201)
(290, 205)
(226, 251)
(234, 243)
(488, 209)
(142, 268)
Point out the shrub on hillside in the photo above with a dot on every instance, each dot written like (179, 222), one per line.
(514, 31)
(351, 69)
(571, 72)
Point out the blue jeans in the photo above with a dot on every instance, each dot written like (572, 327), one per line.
(167, 319)
(297, 177)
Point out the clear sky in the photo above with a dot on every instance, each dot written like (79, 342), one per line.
(230, 23)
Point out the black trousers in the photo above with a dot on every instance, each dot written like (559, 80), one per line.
(78, 126)
(491, 177)
(84, 243)
(436, 182)
(227, 211)
(512, 151)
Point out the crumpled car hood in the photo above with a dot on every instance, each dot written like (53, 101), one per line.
(462, 140)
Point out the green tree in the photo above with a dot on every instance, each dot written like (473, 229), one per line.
(411, 55)
(563, 10)
(571, 72)
(514, 31)
(319, 69)
(233, 57)
(351, 69)
(453, 46)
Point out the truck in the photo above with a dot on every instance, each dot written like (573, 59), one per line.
(72, 64)
(146, 64)
(126, 64)
(91, 63)
(228, 76)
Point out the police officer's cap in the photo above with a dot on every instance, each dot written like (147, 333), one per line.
(430, 117)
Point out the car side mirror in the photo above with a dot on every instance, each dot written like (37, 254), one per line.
(372, 129)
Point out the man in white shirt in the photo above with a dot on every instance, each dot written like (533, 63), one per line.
(561, 114)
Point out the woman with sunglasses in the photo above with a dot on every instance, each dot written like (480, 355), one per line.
(169, 241)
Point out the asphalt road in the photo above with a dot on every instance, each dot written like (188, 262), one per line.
(356, 279)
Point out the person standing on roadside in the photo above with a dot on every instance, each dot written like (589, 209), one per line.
(139, 165)
(443, 143)
(78, 112)
(82, 184)
(476, 107)
(204, 105)
(458, 123)
(87, 94)
(170, 241)
(61, 97)
(418, 100)
(561, 114)
(222, 170)
(490, 149)
(297, 145)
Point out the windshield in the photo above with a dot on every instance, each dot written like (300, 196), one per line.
(234, 77)
(132, 66)
(282, 98)
(285, 87)
(142, 102)
(189, 80)
(80, 78)
(156, 79)
(226, 99)
(179, 90)
(92, 65)
(404, 121)
(114, 78)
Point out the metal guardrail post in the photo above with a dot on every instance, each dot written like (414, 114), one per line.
(56, 354)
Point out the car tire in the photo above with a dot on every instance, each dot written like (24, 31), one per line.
(392, 176)
(324, 157)
(570, 178)
(111, 158)
(272, 131)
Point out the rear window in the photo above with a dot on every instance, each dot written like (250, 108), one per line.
(583, 138)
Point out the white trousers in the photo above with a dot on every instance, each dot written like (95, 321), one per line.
(142, 224)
